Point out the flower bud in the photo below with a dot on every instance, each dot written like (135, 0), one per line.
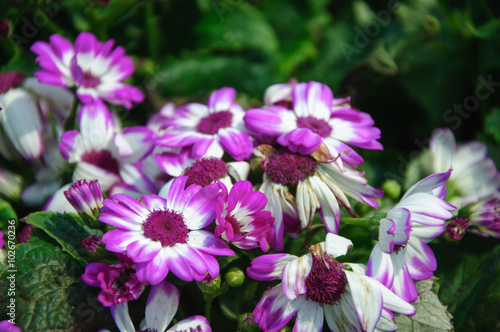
(455, 229)
(209, 286)
(235, 277)
(392, 189)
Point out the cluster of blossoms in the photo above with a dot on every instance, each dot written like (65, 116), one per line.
(173, 196)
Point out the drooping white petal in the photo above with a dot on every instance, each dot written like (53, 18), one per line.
(163, 301)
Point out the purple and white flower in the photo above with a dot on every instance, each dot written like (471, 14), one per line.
(303, 117)
(93, 67)
(241, 219)
(103, 152)
(318, 186)
(474, 177)
(118, 282)
(485, 215)
(217, 127)
(162, 304)
(316, 287)
(402, 253)
(167, 234)
(85, 197)
(201, 170)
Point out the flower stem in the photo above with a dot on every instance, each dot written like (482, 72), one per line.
(356, 221)
(69, 123)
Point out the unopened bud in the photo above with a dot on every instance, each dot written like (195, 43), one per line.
(235, 277)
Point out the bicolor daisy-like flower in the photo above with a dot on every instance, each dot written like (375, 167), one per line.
(316, 286)
(241, 219)
(103, 152)
(303, 117)
(85, 197)
(93, 67)
(317, 186)
(201, 170)
(167, 234)
(162, 304)
(217, 126)
(118, 281)
(7, 326)
(485, 215)
(474, 177)
(402, 253)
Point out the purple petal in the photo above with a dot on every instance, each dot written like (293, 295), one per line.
(236, 143)
(221, 100)
(301, 140)
(193, 323)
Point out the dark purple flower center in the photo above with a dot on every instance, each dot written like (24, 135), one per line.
(285, 103)
(327, 281)
(102, 159)
(166, 226)
(289, 168)
(398, 247)
(10, 80)
(205, 171)
(234, 224)
(317, 126)
(214, 121)
(90, 81)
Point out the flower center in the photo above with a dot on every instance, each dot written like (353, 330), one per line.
(205, 171)
(90, 81)
(10, 80)
(102, 159)
(234, 224)
(398, 247)
(317, 126)
(289, 168)
(166, 226)
(213, 122)
(327, 281)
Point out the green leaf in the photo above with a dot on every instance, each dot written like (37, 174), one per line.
(49, 293)
(431, 314)
(492, 124)
(68, 230)
(235, 26)
(6, 213)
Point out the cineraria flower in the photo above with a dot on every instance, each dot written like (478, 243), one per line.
(7, 326)
(474, 176)
(316, 185)
(102, 152)
(118, 281)
(486, 216)
(166, 234)
(316, 286)
(85, 197)
(201, 170)
(93, 67)
(217, 126)
(455, 229)
(303, 118)
(402, 253)
(241, 219)
(162, 304)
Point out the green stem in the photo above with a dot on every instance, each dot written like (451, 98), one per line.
(356, 221)
(69, 123)
(152, 30)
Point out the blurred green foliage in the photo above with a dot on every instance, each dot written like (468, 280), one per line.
(414, 65)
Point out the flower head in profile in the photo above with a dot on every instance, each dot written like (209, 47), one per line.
(402, 253)
(162, 304)
(216, 127)
(485, 215)
(317, 186)
(475, 175)
(166, 234)
(241, 219)
(96, 69)
(305, 116)
(315, 287)
(85, 197)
